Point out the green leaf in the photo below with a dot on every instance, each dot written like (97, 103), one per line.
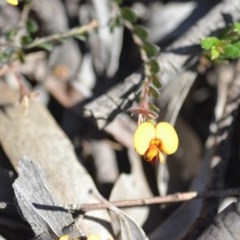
(237, 44)
(128, 14)
(118, 1)
(151, 49)
(208, 43)
(26, 39)
(214, 53)
(154, 66)
(154, 108)
(82, 37)
(236, 28)
(46, 46)
(155, 81)
(154, 92)
(11, 34)
(31, 26)
(21, 56)
(116, 22)
(4, 56)
(141, 31)
(231, 52)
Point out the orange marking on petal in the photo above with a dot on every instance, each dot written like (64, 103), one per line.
(151, 153)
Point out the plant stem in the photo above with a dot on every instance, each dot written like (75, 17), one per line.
(171, 198)
(73, 32)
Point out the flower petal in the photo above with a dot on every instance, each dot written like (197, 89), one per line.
(161, 157)
(168, 136)
(151, 153)
(12, 2)
(143, 135)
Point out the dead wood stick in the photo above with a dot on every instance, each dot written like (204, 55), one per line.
(171, 198)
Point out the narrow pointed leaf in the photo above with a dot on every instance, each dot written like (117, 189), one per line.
(46, 46)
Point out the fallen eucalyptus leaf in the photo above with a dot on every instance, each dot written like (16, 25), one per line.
(36, 201)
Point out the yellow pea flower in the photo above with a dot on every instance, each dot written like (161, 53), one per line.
(153, 142)
(65, 237)
(93, 237)
(12, 2)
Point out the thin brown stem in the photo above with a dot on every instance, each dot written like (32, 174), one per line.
(172, 198)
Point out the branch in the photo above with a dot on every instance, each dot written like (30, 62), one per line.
(178, 57)
(171, 198)
(58, 36)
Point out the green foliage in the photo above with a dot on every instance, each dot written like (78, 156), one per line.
(154, 92)
(82, 37)
(31, 26)
(151, 49)
(114, 22)
(21, 56)
(148, 50)
(236, 28)
(154, 108)
(208, 43)
(153, 66)
(225, 48)
(128, 14)
(27, 39)
(46, 46)
(155, 81)
(10, 35)
(141, 32)
(118, 1)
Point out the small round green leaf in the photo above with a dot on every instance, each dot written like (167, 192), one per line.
(155, 81)
(208, 43)
(31, 26)
(154, 92)
(236, 28)
(141, 31)
(26, 39)
(151, 49)
(154, 66)
(231, 52)
(118, 1)
(154, 108)
(128, 14)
